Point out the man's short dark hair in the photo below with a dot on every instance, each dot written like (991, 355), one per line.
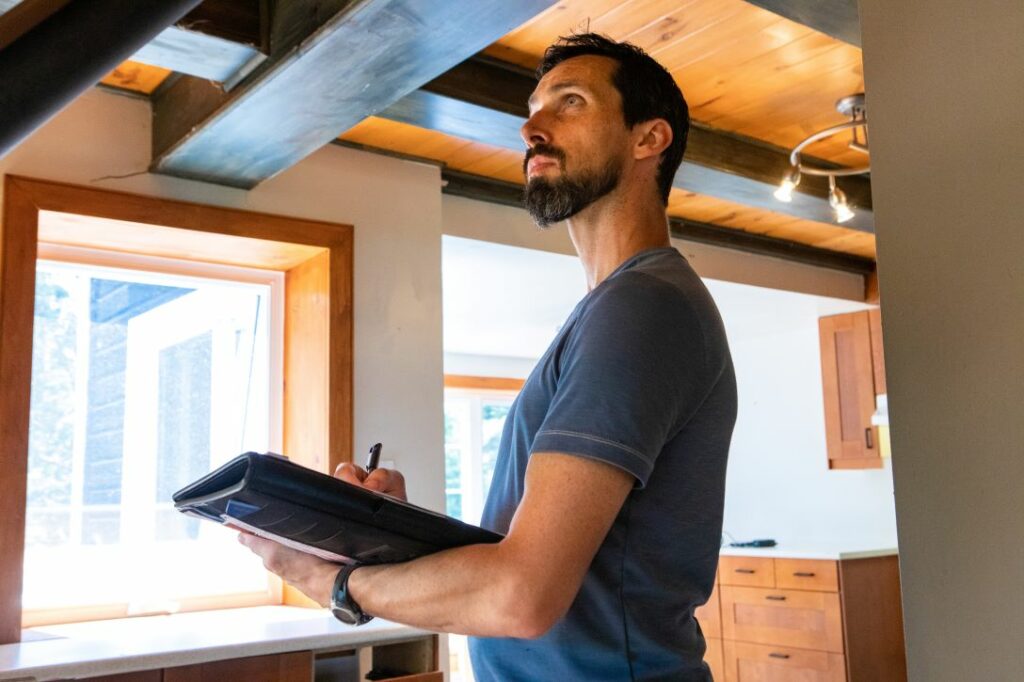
(648, 91)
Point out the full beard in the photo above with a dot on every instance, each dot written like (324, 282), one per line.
(552, 201)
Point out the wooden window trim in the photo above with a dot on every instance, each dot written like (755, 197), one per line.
(482, 383)
(315, 256)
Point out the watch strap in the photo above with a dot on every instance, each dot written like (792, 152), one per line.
(343, 606)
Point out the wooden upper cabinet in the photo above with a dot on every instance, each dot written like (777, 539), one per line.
(852, 373)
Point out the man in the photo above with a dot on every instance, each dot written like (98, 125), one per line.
(610, 477)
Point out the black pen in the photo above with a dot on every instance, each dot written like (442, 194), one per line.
(374, 459)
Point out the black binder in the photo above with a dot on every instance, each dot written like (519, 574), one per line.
(272, 497)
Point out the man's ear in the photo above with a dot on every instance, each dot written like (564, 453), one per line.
(654, 137)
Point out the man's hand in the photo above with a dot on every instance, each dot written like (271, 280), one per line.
(387, 481)
(311, 575)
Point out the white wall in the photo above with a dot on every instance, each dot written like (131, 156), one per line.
(395, 207)
(945, 87)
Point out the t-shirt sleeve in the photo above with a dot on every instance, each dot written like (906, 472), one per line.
(632, 372)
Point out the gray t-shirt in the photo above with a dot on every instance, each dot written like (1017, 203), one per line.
(639, 377)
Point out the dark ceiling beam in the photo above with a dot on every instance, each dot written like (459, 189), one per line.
(836, 18)
(363, 58)
(18, 16)
(221, 40)
(508, 194)
(69, 52)
(485, 101)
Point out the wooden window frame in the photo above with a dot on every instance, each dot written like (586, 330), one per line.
(315, 256)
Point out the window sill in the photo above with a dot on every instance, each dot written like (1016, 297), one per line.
(135, 644)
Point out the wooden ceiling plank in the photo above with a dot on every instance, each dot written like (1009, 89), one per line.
(633, 18)
(136, 77)
(745, 36)
(836, 18)
(333, 79)
(563, 18)
(692, 24)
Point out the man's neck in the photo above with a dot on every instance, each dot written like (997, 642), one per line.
(612, 230)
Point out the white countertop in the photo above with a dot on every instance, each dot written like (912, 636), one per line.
(825, 552)
(134, 644)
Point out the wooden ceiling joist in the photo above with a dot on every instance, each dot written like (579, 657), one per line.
(362, 59)
(509, 194)
(484, 100)
(836, 18)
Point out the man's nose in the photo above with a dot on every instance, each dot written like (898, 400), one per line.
(535, 130)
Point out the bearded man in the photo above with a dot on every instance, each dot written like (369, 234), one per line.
(609, 483)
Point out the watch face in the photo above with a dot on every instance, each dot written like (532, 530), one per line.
(344, 615)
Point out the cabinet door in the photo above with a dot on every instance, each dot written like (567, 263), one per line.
(847, 376)
(759, 663)
(714, 658)
(709, 616)
(290, 667)
(794, 618)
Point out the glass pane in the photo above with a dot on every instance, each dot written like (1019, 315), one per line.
(141, 383)
(492, 415)
(456, 445)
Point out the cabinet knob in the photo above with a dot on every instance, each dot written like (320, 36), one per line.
(775, 597)
(745, 570)
(803, 574)
(775, 654)
(868, 438)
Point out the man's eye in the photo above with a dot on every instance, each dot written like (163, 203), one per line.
(573, 99)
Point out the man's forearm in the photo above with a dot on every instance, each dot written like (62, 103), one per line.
(469, 590)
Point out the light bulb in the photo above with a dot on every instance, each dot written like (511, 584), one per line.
(843, 213)
(785, 190)
(837, 200)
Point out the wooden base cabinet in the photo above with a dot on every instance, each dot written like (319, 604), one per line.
(715, 658)
(801, 620)
(415, 660)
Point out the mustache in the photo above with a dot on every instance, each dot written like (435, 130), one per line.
(544, 150)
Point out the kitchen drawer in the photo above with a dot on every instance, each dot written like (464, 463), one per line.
(747, 571)
(807, 574)
(746, 662)
(714, 658)
(796, 618)
(710, 616)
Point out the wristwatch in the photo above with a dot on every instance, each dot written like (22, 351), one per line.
(343, 606)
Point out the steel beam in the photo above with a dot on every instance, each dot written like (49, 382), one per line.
(362, 59)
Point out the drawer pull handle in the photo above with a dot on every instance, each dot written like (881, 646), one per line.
(775, 597)
(777, 655)
(746, 570)
(803, 574)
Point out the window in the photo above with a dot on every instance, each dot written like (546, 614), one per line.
(473, 423)
(49, 219)
(142, 381)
